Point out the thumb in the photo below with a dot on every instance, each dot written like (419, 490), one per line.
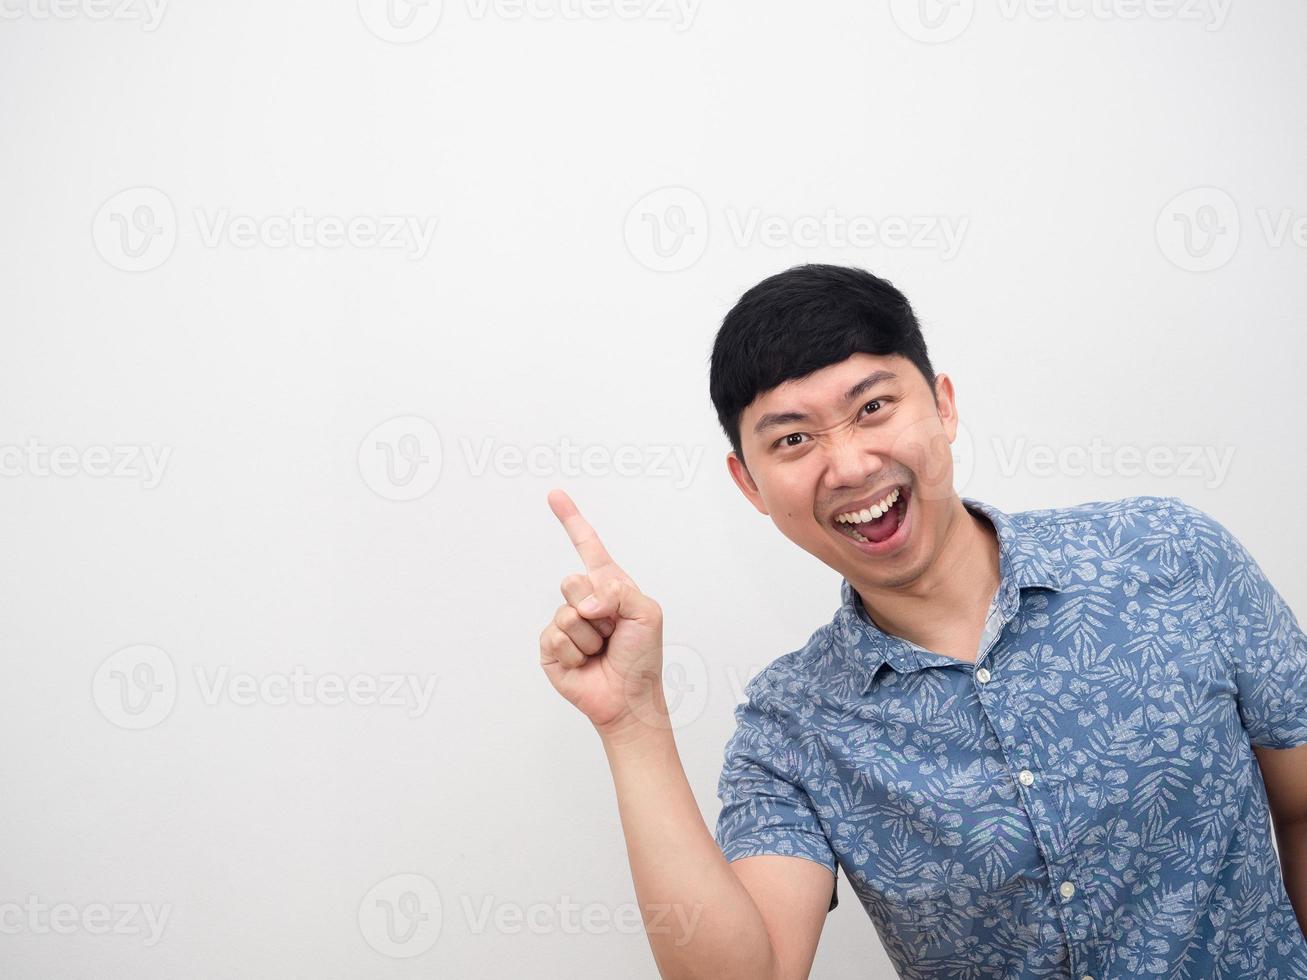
(621, 599)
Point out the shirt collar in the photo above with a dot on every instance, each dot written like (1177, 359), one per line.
(1024, 562)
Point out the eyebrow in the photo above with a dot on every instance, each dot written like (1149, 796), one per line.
(773, 419)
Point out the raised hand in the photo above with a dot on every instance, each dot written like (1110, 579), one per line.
(603, 649)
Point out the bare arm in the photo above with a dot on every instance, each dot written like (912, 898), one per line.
(757, 918)
(1285, 773)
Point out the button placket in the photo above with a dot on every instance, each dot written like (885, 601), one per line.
(1073, 929)
(1076, 925)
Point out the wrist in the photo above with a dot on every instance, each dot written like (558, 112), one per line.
(647, 721)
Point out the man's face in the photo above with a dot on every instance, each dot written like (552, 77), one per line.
(843, 440)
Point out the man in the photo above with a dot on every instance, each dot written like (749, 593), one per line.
(1044, 744)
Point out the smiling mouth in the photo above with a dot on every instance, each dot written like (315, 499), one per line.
(878, 528)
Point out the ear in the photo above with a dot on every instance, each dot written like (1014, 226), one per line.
(744, 480)
(946, 405)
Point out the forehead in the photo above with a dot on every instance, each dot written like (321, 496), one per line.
(824, 392)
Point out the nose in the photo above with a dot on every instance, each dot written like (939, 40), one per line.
(852, 461)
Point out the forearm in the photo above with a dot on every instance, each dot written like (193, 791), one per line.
(1292, 841)
(700, 919)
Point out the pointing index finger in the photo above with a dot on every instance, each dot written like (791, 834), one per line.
(584, 539)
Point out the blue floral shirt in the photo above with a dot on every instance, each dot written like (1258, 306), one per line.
(1082, 801)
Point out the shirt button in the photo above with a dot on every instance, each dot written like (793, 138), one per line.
(1026, 776)
(1086, 977)
(1067, 889)
(982, 675)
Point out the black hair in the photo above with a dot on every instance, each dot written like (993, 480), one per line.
(799, 321)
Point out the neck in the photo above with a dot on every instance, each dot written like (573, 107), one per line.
(950, 598)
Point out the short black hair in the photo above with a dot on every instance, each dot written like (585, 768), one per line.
(799, 321)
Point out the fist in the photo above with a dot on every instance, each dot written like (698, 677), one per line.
(603, 648)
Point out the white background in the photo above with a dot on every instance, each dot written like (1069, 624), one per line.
(543, 309)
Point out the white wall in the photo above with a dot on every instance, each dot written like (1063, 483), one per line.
(1066, 306)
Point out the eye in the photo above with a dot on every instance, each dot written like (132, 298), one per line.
(784, 443)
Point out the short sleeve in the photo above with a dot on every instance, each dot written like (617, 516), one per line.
(1258, 632)
(764, 809)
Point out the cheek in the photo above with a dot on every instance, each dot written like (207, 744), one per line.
(924, 448)
(790, 503)
(788, 491)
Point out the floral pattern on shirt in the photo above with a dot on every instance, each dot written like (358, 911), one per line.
(1091, 810)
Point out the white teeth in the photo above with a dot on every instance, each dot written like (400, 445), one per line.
(870, 513)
